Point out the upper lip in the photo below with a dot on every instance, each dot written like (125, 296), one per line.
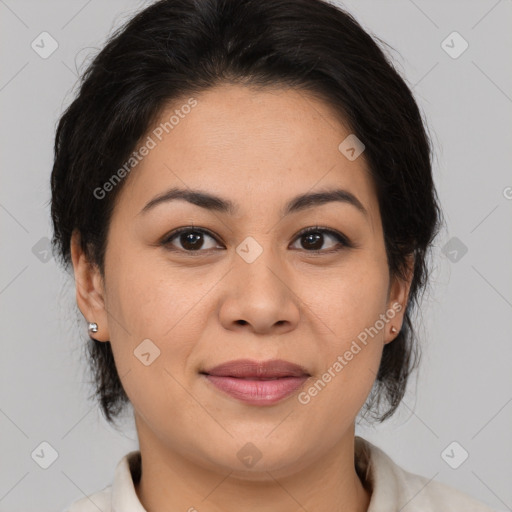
(243, 368)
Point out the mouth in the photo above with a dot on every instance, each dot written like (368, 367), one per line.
(257, 383)
(257, 370)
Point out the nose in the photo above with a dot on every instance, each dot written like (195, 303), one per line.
(259, 297)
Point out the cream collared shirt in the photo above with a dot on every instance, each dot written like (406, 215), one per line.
(392, 488)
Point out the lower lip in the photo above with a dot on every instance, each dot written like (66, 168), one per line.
(257, 392)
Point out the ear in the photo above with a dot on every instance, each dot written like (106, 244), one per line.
(397, 301)
(90, 291)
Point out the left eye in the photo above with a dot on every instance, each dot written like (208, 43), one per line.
(313, 238)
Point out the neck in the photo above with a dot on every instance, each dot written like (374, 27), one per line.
(172, 480)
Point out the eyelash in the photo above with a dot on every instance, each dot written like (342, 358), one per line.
(343, 241)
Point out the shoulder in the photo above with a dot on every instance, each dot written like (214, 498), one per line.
(121, 495)
(100, 500)
(394, 488)
(420, 493)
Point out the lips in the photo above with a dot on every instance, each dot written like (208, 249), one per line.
(257, 383)
(264, 370)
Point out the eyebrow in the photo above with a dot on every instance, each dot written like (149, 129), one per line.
(221, 205)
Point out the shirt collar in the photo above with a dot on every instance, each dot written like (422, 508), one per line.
(126, 475)
(378, 474)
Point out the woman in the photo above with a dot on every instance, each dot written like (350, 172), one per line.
(244, 191)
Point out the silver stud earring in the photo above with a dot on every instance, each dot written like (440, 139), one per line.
(93, 327)
(393, 329)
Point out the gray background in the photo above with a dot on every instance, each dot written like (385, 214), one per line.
(464, 388)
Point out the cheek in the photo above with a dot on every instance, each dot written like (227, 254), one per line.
(347, 301)
(351, 350)
(348, 308)
(152, 313)
(164, 318)
(152, 297)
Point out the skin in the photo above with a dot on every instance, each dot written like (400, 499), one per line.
(258, 148)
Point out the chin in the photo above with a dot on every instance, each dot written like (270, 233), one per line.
(253, 460)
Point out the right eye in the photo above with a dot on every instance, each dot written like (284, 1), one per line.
(190, 238)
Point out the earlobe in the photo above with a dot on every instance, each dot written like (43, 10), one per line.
(395, 314)
(397, 302)
(89, 291)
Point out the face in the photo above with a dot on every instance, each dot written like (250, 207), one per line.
(245, 283)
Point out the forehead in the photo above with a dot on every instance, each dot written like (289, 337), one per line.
(255, 146)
